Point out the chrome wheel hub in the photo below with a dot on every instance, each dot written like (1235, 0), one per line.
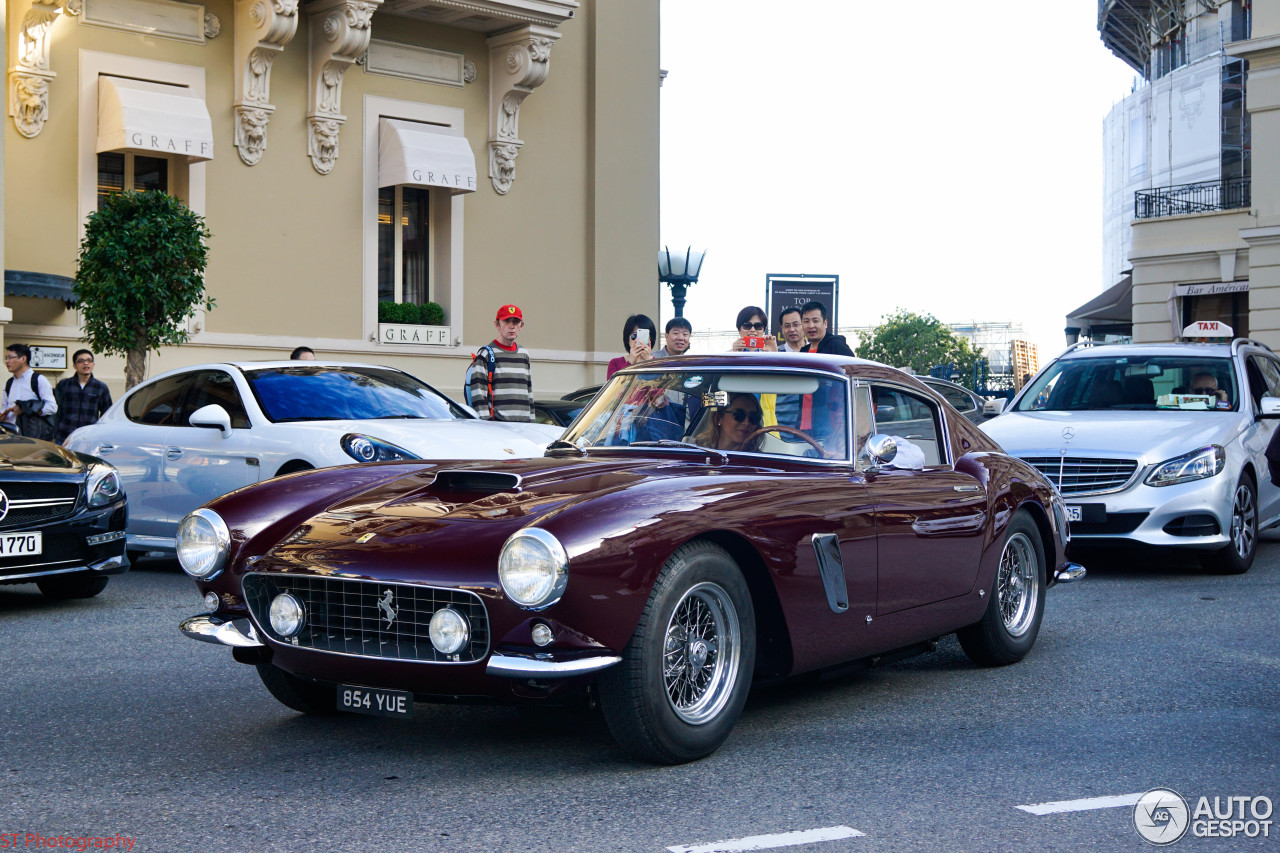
(1243, 521)
(701, 653)
(1018, 584)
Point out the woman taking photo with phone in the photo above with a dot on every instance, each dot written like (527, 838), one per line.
(753, 332)
(638, 335)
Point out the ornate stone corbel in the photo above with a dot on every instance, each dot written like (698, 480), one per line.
(339, 34)
(263, 28)
(518, 63)
(29, 79)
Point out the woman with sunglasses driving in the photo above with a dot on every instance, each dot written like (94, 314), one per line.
(732, 425)
(753, 332)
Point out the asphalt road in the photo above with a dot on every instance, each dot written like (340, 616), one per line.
(1147, 674)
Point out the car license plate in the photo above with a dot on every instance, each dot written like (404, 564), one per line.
(1087, 513)
(1074, 513)
(371, 700)
(21, 544)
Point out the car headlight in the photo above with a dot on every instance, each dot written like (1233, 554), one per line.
(364, 448)
(104, 485)
(203, 544)
(1196, 465)
(533, 568)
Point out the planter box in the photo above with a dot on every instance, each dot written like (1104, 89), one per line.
(401, 333)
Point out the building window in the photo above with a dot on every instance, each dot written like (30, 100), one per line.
(117, 170)
(404, 245)
(1229, 308)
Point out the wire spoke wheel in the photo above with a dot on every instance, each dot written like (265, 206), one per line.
(1244, 522)
(700, 655)
(1018, 584)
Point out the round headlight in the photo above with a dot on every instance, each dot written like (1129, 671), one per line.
(449, 630)
(203, 543)
(533, 568)
(286, 615)
(363, 449)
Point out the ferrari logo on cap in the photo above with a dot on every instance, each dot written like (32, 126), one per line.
(511, 309)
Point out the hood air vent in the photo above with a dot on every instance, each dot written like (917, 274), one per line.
(477, 482)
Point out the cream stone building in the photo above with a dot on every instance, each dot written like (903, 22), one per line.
(345, 153)
(1193, 203)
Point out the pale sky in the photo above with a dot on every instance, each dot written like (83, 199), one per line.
(938, 156)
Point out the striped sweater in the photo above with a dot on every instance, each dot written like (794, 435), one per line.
(512, 385)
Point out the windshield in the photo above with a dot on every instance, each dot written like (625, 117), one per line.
(1134, 382)
(792, 414)
(326, 393)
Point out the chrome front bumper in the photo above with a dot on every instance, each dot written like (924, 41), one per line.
(208, 628)
(542, 667)
(1068, 573)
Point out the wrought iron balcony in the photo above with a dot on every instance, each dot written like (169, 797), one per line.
(1202, 197)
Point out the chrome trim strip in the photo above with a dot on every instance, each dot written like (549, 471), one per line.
(1073, 572)
(224, 632)
(519, 666)
(40, 502)
(76, 567)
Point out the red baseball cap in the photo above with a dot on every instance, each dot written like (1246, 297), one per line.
(509, 311)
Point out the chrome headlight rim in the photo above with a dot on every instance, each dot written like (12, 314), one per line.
(438, 631)
(558, 557)
(221, 537)
(102, 487)
(275, 616)
(367, 448)
(1219, 464)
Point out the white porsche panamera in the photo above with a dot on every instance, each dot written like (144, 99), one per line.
(192, 434)
(1156, 444)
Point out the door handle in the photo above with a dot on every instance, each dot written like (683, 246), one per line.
(965, 488)
(173, 453)
(104, 449)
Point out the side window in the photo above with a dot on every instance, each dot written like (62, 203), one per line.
(156, 404)
(209, 387)
(959, 399)
(1270, 371)
(911, 417)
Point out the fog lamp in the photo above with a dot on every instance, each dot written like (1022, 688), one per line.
(211, 600)
(542, 634)
(287, 615)
(449, 630)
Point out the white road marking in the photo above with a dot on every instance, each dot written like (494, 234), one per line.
(764, 842)
(1088, 804)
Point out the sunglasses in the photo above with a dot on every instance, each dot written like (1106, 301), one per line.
(1209, 391)
(759, 327)
(741, 415)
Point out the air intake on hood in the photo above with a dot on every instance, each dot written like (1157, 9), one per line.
(486, 482)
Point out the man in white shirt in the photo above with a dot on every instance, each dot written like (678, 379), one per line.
(17, 360)
(792, 330)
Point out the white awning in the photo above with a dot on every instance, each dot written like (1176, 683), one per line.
(143, 117)
(427, 155)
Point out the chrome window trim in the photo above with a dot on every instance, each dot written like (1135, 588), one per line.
(948, 459)
(268, 636)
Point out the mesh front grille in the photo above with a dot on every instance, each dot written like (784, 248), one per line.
(36, 502)
(377, 620)
(1075, 475)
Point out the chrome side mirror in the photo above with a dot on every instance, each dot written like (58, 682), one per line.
(881, 449)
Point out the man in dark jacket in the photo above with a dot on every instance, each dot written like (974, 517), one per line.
(813, 316)
(82, 399)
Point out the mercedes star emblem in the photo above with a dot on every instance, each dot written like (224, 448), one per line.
(1068, 433)
(4, 505)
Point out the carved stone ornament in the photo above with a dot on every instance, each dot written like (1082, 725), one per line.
(339, 35)
(519, 62)
(263, 28)
(29, 79)
(212, 26)
(468, 71)
(73, 7)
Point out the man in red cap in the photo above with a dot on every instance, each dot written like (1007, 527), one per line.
(499, 382)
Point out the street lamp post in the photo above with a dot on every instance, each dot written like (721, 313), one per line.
(679, 270)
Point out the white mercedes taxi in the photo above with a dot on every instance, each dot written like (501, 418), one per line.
(1158, 444)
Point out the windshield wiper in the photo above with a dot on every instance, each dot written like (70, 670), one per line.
(561, 444)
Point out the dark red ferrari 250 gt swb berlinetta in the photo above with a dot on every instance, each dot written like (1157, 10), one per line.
(703, 522)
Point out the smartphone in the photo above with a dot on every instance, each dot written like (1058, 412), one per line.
(753, 342)
(642, 336)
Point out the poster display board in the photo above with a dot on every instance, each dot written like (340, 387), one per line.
(795, 289)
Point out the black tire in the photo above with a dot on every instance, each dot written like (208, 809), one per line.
(1015, 606)
(1237, 557)
(61, 588)
(711, 679)
(307, 697)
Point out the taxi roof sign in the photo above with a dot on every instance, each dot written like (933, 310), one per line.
(1208, 329)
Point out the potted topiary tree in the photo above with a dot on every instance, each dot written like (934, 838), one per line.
(140, 276)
